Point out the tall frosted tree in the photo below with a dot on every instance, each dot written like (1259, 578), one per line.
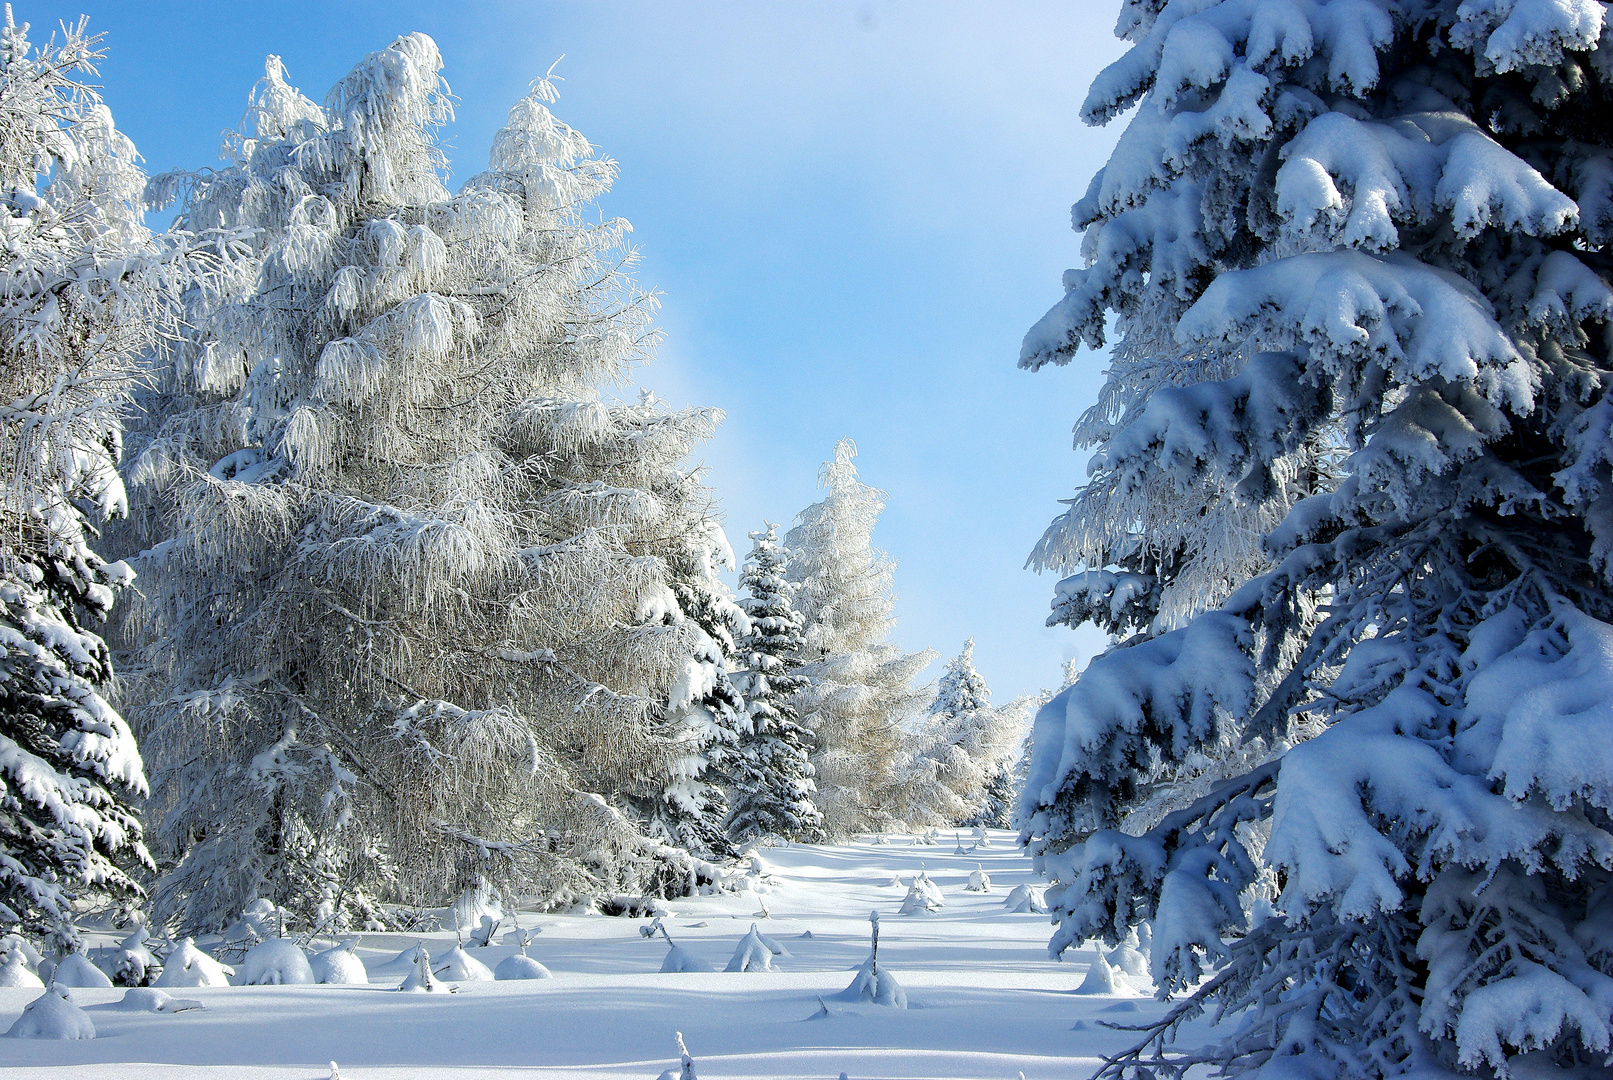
(859, 690)
(83, 290)
(421, 600)
(959, 754)
(1356, 255)
(772, 771)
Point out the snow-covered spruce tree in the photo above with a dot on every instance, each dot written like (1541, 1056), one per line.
(771, 773)
(83, 290)
(417, 611)
(1375, 234)
(859, 689)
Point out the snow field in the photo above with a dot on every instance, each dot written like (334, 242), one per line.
(984, 999)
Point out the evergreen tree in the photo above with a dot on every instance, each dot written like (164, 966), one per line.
(83, 289)
(1356, 254)
(859, 690)
(960, 755)
(772, 771)
(418, 617)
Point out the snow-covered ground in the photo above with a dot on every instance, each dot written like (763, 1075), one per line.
(984, 999)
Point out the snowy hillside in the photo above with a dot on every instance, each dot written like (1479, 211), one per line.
(983, 998)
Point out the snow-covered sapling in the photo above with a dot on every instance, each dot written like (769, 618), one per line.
(679, 959)
(482, 936)
(1100, 977)
(752, 953)
(872, 983)
(979, 880)
(421, 978)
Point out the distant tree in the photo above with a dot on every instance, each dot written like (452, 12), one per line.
(859, 690)
(83, 291)
(959, 754)
(772, 772)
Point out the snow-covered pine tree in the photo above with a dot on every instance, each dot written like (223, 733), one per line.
(688, 808)
(83, 290)
(1356, 251)
(962, 690)
(415, 616)
(859, 690)
(960, 752)
(771, 774)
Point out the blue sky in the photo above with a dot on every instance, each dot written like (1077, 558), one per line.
(853, 212)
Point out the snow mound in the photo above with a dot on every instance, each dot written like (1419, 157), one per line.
(15, 973)
(979, 880)
(76, 969)
(52, 1015)
(457, 965)
(1024, 898)
(752, 954)
(878, 987)
(520, 966)
(189, 966)
(405, 961)
(13, 943)
(1100, 978)
(275, 962)
(680, 959)
(148, 999)
(340, 966)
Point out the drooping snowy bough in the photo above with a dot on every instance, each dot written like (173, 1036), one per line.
(426, 608)
(1352, 505)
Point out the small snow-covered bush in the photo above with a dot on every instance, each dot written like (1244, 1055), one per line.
(752, 953)
(918, 902)
(13, 972)
(76, 969)
(1025, 898)
(275, 962)
(979, 880)
(134, 963)
(52, 1015)
(189, 966)
(340, 966)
